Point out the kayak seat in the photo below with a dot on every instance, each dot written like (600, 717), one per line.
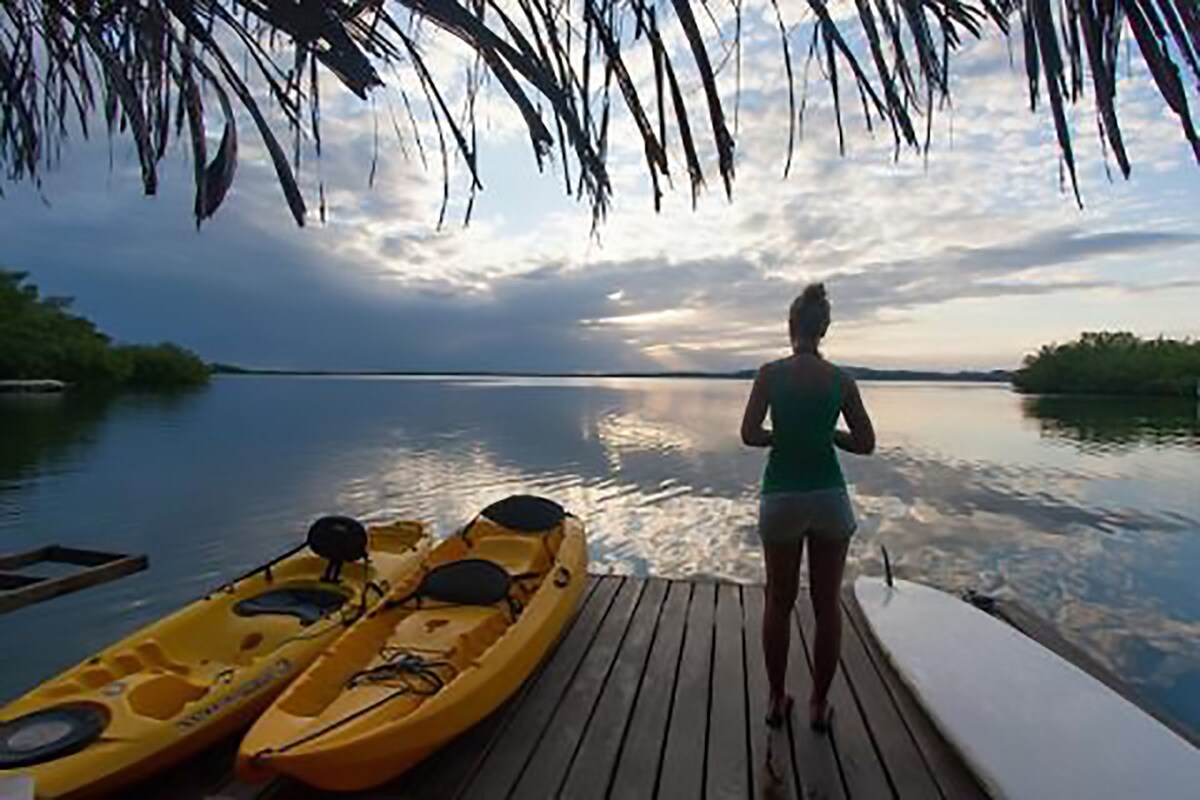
(526, 513)
(465, 582)
(519, 555)
(307, 604)
(455, 634)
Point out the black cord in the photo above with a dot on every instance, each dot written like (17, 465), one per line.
(346, 619)
(400, 662)
(231, 586)
(467, 529)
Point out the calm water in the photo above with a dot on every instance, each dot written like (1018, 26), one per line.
(1088, 510)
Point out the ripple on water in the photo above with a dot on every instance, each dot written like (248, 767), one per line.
(1091, 522)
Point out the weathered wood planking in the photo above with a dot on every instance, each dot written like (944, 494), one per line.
(658, 689)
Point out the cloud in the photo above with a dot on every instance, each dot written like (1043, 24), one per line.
(528, 285)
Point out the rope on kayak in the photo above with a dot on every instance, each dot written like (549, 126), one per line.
(398, 664)
(401, 663)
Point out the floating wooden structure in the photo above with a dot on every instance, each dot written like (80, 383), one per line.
(18, 589)
(658, 690)
(32, 387)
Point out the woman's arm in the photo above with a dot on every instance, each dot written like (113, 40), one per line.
(860, 439)
(753, 433)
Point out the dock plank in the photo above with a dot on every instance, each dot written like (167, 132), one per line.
(727, 772)
(590, 773)
(953, 779)
(814, 757)
(682, 773)
(772, 773)
(657, 688)
(205, 775)
(862, 772)
(552, 758)
(505, 762)
(902, 760)
(641, 751)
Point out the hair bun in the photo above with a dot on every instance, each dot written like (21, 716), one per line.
(809, 315)
(813, 293)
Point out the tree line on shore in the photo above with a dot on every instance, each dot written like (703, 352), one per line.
(41, 338)
(1117, 363)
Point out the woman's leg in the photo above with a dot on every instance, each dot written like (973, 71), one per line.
(783, 579)
(826, 563)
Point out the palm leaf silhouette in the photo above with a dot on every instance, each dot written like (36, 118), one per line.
(149, 64)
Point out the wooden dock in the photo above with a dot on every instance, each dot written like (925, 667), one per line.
(658, 690)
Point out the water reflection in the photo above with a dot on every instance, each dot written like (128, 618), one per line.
(969, 489)
(41, 429)
(1101, 423)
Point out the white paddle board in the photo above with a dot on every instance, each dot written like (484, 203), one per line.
(1031, 725)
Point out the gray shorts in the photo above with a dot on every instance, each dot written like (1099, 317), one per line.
(789, 516)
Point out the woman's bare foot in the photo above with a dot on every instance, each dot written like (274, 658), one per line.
(820, 713)
(780, 710)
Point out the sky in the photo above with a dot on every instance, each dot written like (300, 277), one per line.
(969, 259)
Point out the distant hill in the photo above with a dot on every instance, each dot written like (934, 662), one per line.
(862, 373)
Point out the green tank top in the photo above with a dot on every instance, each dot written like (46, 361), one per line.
(802, 456)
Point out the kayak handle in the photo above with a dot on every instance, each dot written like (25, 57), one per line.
(562, 577)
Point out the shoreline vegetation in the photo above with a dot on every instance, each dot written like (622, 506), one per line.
(861, 373)
(1113, 363)
(41, 340)
(43, 343)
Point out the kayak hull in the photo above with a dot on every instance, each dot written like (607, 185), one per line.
(204, 673)
(301, 734)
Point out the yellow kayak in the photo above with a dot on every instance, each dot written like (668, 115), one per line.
(444, 650)
(206, 671)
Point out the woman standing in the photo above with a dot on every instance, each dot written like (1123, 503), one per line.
(804, 495)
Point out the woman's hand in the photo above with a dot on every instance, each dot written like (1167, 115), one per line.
(753, 433)
(846, 442)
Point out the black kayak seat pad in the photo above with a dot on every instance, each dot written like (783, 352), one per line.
(308, 604)
(526, 513)
(466, 582)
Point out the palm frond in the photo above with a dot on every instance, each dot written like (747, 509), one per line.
(63, 61)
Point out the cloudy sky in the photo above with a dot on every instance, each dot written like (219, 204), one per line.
(969, 260)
